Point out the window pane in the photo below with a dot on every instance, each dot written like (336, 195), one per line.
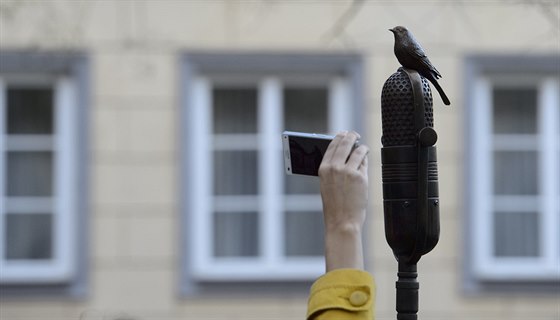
(236, 234)
(30, 111)
(516, 234)
(235, 172)
(28, 236)
(304, 233)
(30, 173)
(295, 184)
(515, 172)
(235, 110)
(306, 109)
(515, 110)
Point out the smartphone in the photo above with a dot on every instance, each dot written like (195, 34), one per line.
(303, 152)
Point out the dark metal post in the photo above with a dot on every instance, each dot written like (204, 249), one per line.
(407, 292)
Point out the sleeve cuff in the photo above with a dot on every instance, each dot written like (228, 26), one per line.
(349, 290)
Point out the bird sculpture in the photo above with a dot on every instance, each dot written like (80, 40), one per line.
(411, 56)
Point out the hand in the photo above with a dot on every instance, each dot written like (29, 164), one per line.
(344, 190)
(344, 182)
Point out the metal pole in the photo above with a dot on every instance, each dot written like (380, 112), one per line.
(407, 291)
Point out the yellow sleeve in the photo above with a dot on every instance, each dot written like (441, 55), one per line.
(343, 294)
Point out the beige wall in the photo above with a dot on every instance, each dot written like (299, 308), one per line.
(134, 49)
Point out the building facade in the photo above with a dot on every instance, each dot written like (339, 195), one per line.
(142, 173)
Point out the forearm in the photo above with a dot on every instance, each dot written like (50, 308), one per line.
(345, 291)
(343, 247)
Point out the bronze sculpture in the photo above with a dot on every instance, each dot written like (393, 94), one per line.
(411, 55)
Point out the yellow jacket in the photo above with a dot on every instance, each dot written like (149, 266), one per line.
(344, 294)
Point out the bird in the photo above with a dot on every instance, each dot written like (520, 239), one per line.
(411, 56)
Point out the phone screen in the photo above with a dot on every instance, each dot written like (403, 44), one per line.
(306, 154)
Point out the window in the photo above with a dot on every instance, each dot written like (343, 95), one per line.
(514, 156)
(247, 220)
(39, 160)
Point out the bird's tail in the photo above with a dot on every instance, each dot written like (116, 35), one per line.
(441, 93)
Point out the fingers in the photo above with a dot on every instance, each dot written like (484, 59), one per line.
(364, 166)
(332, 147)
(357, 157)
(344, 148)
(341, 153)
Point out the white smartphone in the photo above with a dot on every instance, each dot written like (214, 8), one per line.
(303, 152)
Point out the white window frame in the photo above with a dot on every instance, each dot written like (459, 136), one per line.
(271, 263)
(485, 265)
(63, 204)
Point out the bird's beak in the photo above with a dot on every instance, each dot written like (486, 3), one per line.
(393, 31)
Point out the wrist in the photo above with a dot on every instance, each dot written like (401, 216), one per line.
(344, 229)
(343, 246)
(346, 223)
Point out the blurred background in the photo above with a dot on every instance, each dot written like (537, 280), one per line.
(142, 173)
